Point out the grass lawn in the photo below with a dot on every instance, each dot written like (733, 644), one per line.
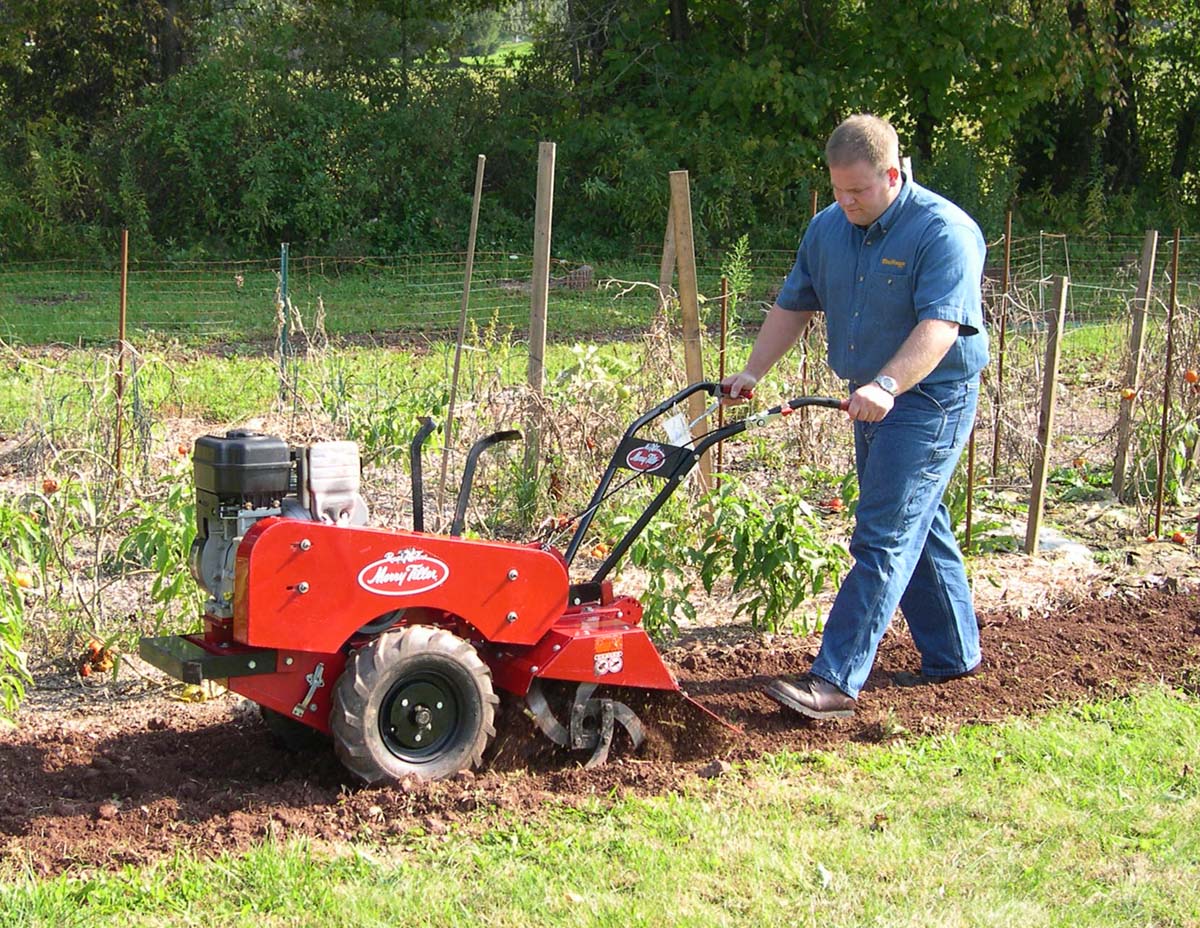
(1089, 816)
(418, 295)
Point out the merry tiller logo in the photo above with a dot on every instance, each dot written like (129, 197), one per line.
(646, 458)
(403, 573)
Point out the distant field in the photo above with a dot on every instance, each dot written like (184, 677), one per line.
(64, 302)
(374, 297)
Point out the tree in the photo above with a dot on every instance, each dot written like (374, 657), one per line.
(85, 60)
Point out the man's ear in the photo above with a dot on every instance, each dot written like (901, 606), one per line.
(893, 175)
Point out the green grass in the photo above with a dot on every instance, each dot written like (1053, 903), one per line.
(500, 57)
(415, 295)
(218, 302)
(1096, 340)
(79, 385)
(1090, 816)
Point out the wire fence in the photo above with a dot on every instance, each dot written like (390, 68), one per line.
(419, 297)
(70, 302)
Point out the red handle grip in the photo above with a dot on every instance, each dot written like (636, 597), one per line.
(745, 394)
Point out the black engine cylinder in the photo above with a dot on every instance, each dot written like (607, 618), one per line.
(240, 469)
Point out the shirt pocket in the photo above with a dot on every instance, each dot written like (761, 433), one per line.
(889, 298)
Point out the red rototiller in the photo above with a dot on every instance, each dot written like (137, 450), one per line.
(394, 642)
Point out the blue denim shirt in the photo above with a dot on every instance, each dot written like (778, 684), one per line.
(922, 259)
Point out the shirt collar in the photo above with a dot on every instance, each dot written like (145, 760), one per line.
(888, 219)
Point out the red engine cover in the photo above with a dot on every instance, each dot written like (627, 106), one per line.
(309, 586)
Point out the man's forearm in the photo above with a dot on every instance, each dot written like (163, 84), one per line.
(779, 332)
(921, 352)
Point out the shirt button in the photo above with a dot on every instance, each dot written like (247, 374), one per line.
(860, 278)
(852, 346)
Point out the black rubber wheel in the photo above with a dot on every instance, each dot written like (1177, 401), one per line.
(416, 702)
(292, 735)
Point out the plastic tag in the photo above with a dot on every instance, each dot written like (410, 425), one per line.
(677, 430)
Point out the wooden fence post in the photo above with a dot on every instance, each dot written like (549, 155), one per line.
(1005, 282)
(689, 301)
(1041, 464)
(1168, 375)
(539, 289)
(448, 432)
(1133, 361)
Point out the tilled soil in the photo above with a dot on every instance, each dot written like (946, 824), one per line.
(89, 782)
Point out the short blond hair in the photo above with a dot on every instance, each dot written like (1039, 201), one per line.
(863, 137)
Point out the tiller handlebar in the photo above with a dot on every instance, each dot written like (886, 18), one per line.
(672, 463)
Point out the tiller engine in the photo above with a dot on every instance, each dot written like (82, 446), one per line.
(394, 642)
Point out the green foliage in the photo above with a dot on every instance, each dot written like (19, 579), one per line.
(986, 534)
(663, 553)
(353, 127)
(22, 567)
(163, 527)
(1179, 451)
(775, 549)
(737, 269)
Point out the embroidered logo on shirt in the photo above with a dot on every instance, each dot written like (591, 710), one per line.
(892, 262)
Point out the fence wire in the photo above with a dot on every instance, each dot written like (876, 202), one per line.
(419, 297)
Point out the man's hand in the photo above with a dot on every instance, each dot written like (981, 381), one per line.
(870, 403)
(737, 388)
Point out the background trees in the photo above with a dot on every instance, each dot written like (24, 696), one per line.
(225, 126)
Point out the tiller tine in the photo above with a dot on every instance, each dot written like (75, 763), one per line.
(593, 722)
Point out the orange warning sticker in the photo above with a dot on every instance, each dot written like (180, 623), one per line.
(605, 645)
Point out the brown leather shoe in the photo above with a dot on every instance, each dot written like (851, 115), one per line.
(813, 697)
(907, 678)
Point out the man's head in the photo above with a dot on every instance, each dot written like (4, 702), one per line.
(863, 155)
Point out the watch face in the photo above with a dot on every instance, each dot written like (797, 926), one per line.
(887, 383)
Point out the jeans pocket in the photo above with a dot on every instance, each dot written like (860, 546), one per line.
(936, 417)
(956, 403)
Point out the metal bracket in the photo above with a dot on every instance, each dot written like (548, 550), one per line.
(315, 680)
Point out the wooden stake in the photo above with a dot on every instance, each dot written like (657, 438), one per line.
(970, 487)
(462, 329)
(121, 315)
(1133, 361)
(1003, 325)
(1041, 464)
(544, 212)
(689, 302)
(1166, 398)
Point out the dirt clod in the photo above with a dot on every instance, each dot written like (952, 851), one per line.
(718, 768)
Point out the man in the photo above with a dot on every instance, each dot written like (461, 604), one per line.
(896, 270)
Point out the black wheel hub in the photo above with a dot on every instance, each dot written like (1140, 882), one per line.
(419, 716)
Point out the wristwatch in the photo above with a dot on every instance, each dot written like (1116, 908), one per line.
(888, 384)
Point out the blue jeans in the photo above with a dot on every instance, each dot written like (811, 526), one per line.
(904, 549)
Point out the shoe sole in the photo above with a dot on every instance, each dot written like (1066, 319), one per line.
(907, 680)
(781, 697)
